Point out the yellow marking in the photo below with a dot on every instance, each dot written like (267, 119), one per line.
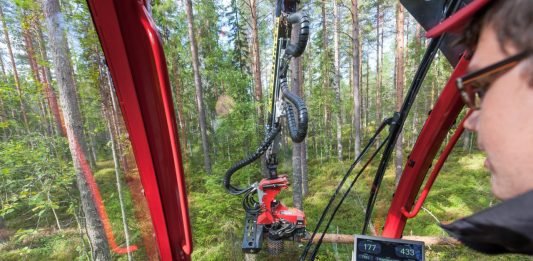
(273, 72)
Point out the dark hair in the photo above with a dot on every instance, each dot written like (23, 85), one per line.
(512, 20)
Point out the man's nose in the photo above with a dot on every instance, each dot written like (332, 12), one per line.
(472, 121)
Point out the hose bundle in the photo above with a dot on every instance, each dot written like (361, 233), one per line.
(248, 160)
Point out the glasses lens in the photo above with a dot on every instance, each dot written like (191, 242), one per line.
(467, 94)
(474, 90)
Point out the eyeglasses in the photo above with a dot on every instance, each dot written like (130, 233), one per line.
(474, 85)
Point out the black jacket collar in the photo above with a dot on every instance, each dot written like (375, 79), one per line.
(504, 228)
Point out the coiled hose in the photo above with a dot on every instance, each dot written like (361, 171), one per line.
(248, 160)
(296, 49)
(297, 130)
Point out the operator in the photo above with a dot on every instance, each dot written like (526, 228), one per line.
(498, 86)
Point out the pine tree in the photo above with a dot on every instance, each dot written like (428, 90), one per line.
(198, 86)
(73, 122)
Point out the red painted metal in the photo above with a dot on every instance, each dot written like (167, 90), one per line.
(435, 172)
(273, 211)
(437, 125)
(135, 58)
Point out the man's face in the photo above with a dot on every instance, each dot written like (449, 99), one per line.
(505, 122)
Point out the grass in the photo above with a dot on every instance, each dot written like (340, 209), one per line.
(462, 188)
(43, 245)
(67, 244)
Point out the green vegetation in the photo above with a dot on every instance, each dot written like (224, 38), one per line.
(462, 188)
(217, 217)
(68, 244)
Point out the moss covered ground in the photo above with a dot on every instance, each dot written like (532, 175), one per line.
(217, 217)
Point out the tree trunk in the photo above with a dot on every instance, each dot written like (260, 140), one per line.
(3, 113)
(15, 72)
(74, 125)
(367, 95)
(337, 86)
(2, 64)
(325, 81)
(28, 42)
(256, 61)
(256, 73)
(303, 158)
(113, 138)
(51, 97)
(120, 127)
(379, 115)
(181, 117)
(198, 86)
(112, 126)
(399, 73)
(3, 118)
(355, 77)
(32, 61)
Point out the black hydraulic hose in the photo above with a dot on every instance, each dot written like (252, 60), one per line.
(319, 243)
(337, 191)
(402, 116)
(249, 203)
(296, 49)
(248, 160)
(297, 130)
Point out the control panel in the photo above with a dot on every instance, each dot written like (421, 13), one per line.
(387, 249)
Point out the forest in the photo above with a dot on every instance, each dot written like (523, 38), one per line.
(69, 183)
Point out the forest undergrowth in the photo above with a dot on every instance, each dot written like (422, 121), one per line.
(217, 217)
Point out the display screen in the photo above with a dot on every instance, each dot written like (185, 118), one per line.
(386, 249)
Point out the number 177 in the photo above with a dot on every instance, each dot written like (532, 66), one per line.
(370, 247)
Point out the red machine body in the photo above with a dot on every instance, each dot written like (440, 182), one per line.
(273, 211)
(136, 61)
(437, 125)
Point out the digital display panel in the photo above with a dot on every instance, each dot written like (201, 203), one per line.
(386, 249)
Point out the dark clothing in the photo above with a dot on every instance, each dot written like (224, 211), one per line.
(504, 228)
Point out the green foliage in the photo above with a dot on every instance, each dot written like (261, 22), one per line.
(43, 245)
(35, 179)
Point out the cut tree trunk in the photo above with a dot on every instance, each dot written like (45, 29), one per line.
(296, 81)
(349, 239)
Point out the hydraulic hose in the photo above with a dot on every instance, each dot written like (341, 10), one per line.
(371, 142)
(296, 49)
(401, 116)
(247, 161)
(297, 130)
